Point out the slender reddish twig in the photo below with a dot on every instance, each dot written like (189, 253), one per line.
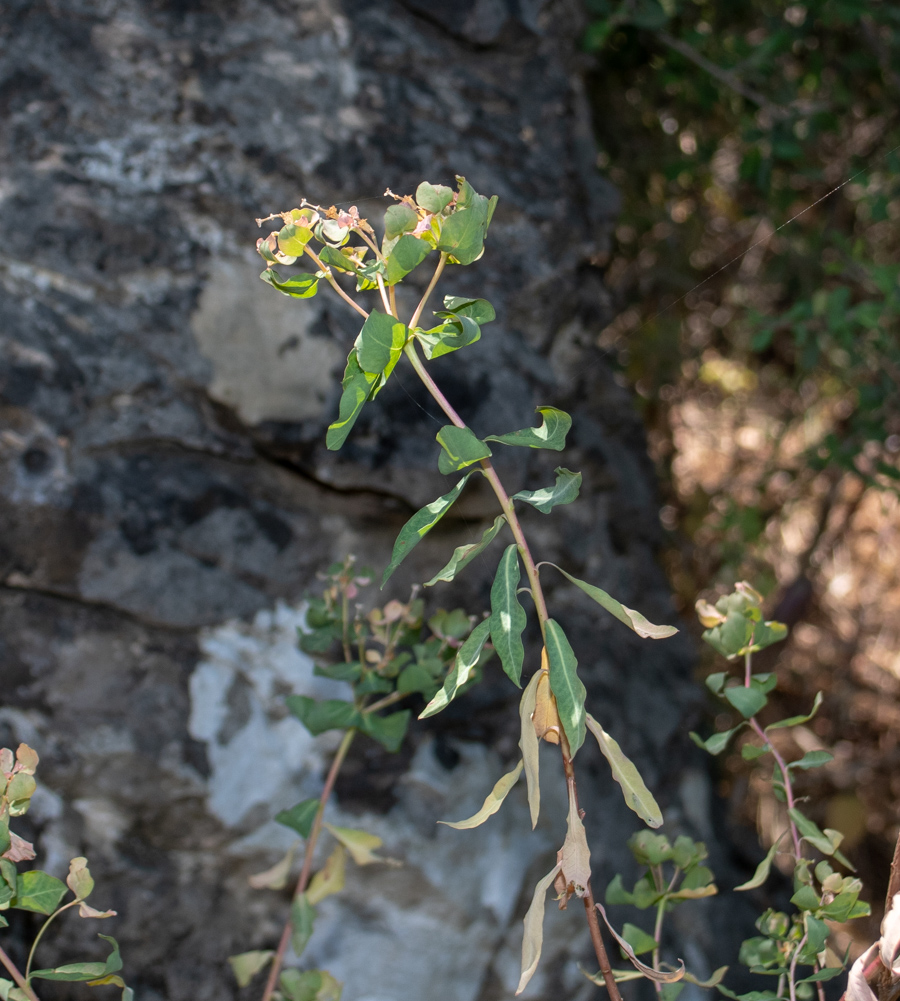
(19, 979)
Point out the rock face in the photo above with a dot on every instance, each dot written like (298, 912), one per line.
(166, 497)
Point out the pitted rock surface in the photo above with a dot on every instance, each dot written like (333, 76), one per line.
(166, 496)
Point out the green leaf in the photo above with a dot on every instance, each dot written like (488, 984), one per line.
(300, 817)
(76, 972)
(459, 448)
(552, 433)
(717, 742)
(463, 555)
(451, 335)
(492, 803)
(806, 899)
(507, 615)
(566, 685)
(247, 964)
(796, 720)
(466, 660)
(827, 841)
(358, 387)
(303, 916)
(750, 752)
(716, 682)
(38, 891)
(533, 939)
(762, 871)
(638, 939)
(813, 759)
(564, 491)
(419, 525)
(463, 232)
(416, 678)
(335, 259)
(479, 310)
(433, 197)
(747, 701)
(530, 747)
(297, 286)
(637, 796)
(310, 985)
(380, 343)
(829, 973)
(616, 892)
(389, 731)
(399, 219)
(634, 620)
(329, 714)
(405, 256)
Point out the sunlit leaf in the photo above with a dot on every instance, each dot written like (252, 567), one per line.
(453, 334)
(405, 256)
(297, 286)
(433, 197)
(564, 491)
(508, 617)
(459, 448)
(358, 387)
(479, 310)
(380, 343)
(552, 433)
(466, 660)
(463, 555)
(567, 687)
(492, 803)
(637, 796)
(533, 939)
(399, 219)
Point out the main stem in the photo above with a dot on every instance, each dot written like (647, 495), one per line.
(13, 971)
(278, 959)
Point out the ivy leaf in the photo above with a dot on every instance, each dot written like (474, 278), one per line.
(466, 660)
(463, 555)
(507, 615)
(564, 491)
(492, 803)
(247, 964)
(530, 746)
(552, 433)
(358, 387)
(389, 731)
(634, 620)
(533, 939)
(329, 714)
(399, 219)
(38, 891)
(479, 310)
(297, 286)
(300, 817)
(459, 448)
(433, 198)
(567, 687)
(405, 256)
(79, 972)
(419, 525)
(637, 796)
(380, 343)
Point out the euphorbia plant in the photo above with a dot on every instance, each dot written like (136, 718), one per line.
(447, 228)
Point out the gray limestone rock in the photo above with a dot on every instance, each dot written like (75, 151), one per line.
(166, 497)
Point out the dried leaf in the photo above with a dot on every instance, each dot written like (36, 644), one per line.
(857, 988)
(530, 747)
(361, 845)
(546, 716)
(493, 802)
(890, 937)
(79, 879)
(533, 938)
(19, 849)
(275, 878)
(660, 976)
(574, 857)
(330, 878)
(637, 795)
(27, 759)
(86, 911)
(713, 981)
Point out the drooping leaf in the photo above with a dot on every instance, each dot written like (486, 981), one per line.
(389, 731)
(533, 939)
(637, 796)
(466, 660)
(564, 491)
(479, 310)
(380, 343)
(405, 256)
(433, 197)
(508, 617)
(747, 701)
(762, 871)
(712, 981)
(79, 972)
(574, 857)
(358, 387)
(399, 219)
(796, 720)
(453, 334)
(530, 747)
(330, 878)
(463, 555)
(360, 844)
(276, 877)
(634, 620)
(300, 817)
(492, 803)
(38, 891)
(420, 524)
(297, 286)
(552, 433)
(567, 687)
(303, 916)
(329, 714)
(459, 448)
(660, 976)
(247, 964)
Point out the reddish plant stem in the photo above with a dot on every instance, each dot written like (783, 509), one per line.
(894, 883)
(278, 958)
(19, 979)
